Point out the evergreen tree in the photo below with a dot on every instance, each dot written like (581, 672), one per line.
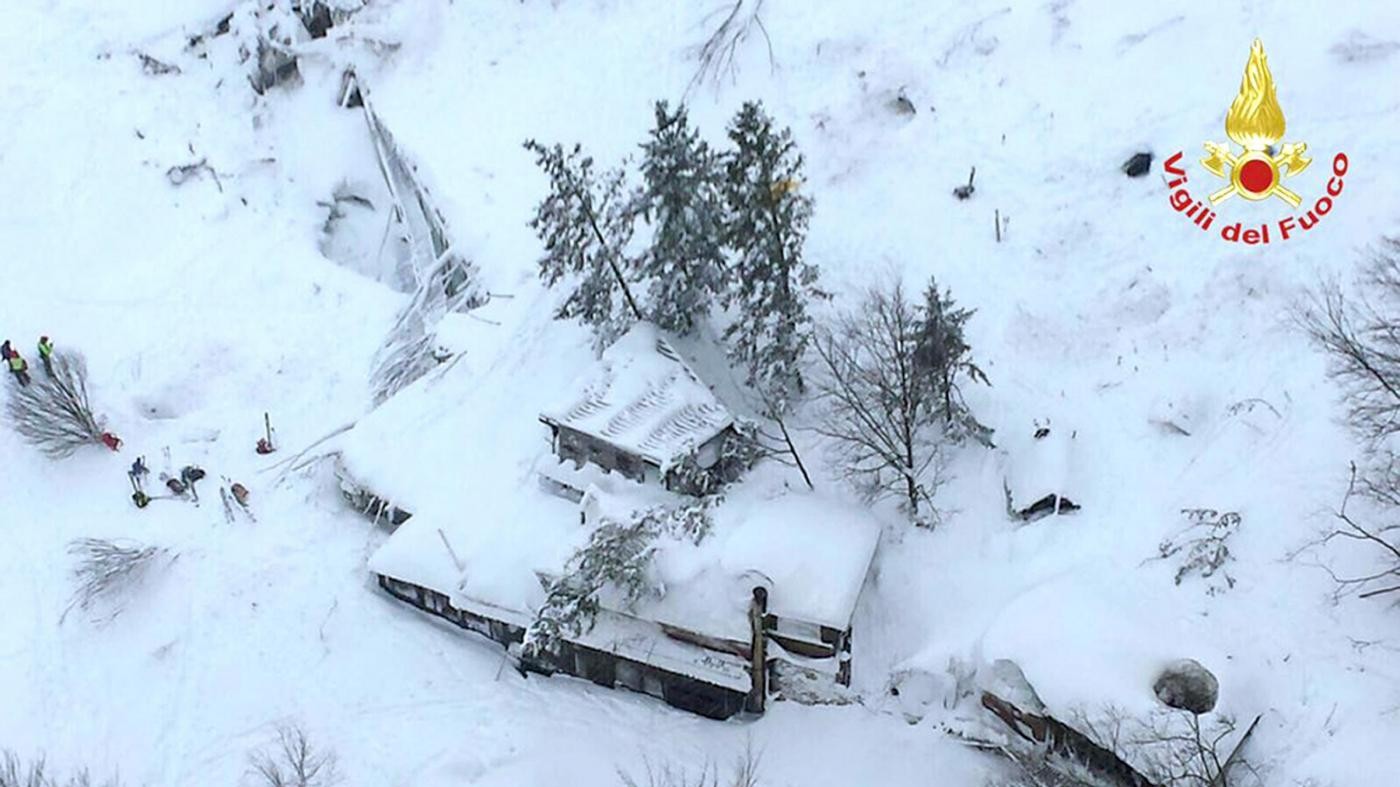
(682, 200)
(585, 221)
(943, 356)
(766, 227)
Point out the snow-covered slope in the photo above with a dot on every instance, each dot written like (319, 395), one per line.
(1103, 310)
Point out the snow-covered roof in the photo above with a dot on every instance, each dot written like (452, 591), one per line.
(809, 552)
(1040, 466)
(643, 398)
(453, 449)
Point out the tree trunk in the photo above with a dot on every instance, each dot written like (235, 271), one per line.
(612, 262)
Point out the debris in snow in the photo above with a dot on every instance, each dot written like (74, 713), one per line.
(276, 65)
(1169, 427)
(350, 97)
(1138, 165)
(965, 191)
(265, 443)
(1066, 749)
(1204, 543)
(901, 105)
(180, 173)
(317, 18)
(156, 67)
(106, 569)
(1358, 47)
(1186, 685)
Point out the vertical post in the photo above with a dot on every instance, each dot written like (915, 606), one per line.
(758, 655)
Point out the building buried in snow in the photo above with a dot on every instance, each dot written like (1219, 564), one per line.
(760, 608)
(1041, 473)
(645, 415)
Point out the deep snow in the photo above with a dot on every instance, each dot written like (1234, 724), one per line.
(200, 308)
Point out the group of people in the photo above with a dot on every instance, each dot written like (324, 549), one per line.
(178, 486)
(189, 474)
(20, 367)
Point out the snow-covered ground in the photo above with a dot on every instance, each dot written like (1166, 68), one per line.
(1102, 310)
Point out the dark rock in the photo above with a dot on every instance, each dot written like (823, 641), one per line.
(1188, 686)
(317, 19)
(1138, 165)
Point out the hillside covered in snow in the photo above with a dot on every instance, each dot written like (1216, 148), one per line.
(231, 210)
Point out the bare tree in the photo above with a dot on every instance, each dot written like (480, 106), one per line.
(292, 760)
(1362, 341)
(16, 773)
(881, 413)
(53, 412)
(1383, 541)
(107, 569)
(716, 55)
(1175, 748)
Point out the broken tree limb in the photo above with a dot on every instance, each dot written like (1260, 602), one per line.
(179, 174)
(1065, 742)
(1222, 778)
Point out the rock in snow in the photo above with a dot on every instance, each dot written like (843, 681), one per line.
(1188, 686)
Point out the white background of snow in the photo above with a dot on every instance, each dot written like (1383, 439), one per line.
(1101, 302)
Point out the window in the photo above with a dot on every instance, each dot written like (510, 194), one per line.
(799, 629)
(629, 467)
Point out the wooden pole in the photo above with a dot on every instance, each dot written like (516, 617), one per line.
(758, 651)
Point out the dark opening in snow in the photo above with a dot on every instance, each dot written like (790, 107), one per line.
(1138, 165)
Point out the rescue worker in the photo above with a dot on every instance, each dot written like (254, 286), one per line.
(46, 354)
(138, 473)
(18, 367)
(188, 475)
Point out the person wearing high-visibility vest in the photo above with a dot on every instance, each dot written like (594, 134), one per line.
(18, 367)
(46, 354)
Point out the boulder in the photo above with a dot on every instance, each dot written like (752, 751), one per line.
(1188, 686)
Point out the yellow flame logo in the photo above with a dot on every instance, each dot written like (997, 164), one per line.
(1255, 122)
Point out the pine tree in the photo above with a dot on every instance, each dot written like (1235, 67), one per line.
(585, 221)
(943, 356)
(682, 200)
(766, 228)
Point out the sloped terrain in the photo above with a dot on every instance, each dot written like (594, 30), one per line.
(203, 305)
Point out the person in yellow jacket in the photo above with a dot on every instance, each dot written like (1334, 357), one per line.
(46, 354)
(19, 367)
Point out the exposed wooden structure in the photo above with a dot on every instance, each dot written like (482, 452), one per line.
(1065, 742)
(603, 667)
